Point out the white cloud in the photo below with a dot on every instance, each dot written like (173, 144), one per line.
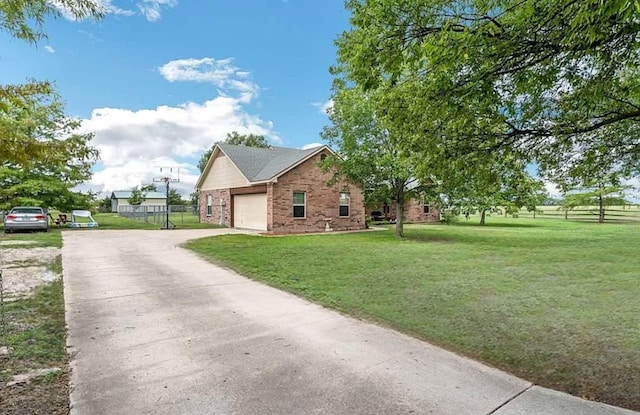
(107, 7)
(49, 49)
(553, 190)
(323, 107)
(311, 145)
(152, 9)
(133, 143)
(221, 73)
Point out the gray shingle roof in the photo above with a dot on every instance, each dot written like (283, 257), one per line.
(258, 164)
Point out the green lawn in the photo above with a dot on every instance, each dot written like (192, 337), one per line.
(554, 302)
(36, 239)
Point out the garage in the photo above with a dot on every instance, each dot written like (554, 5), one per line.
(250, 211)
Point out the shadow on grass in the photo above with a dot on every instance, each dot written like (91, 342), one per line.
(496, 224)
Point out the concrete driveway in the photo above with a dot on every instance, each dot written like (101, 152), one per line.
(154, 329)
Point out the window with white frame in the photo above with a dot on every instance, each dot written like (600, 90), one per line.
(344, 204)
(299, 200)
(209, 205)
(426, 209)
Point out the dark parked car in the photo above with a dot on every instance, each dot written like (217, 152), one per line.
(26, 218)
(376, 216)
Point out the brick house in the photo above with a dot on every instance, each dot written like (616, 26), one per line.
(277, 190)
(416, 210)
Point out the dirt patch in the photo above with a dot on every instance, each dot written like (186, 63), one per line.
(25, 269)
(43, 397)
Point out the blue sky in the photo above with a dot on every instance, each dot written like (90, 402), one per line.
(159, 81)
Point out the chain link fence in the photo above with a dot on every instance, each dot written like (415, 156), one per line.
(157, 214)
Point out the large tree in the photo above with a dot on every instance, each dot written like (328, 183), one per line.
(63, 159)
(20, 104)
(487, 183)
(42, 155)
(549, 77)
(369, 148)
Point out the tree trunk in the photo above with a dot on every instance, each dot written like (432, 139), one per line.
(601, 209)
(482, 217)
(400, 216)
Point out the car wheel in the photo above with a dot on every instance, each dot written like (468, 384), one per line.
(46, 229)
(6, 230)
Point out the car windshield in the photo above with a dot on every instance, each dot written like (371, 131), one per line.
(33, 211)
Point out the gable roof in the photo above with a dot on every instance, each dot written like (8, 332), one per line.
(258, 164)
(126, 194)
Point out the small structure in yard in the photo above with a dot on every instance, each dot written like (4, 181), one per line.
(277, 190)
(82, 219)
(120, 201)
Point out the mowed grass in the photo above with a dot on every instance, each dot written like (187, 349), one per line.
(34, 239)
(554, 302)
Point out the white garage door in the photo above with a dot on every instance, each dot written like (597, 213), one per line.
(250, 211)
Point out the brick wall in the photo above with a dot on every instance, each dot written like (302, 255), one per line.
(413, 211)
(214, 218)
(322, 201)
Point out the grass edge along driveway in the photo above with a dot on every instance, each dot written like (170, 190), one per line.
(551, 301)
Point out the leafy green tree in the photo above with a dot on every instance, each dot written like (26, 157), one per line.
(368, 146)
(24, 19)
(149, 188)
(22, 107)
(175, 199)
(42, 156)
(104, 204)
(63, 159)
(194, 198)
(601, 194)
(137, 196)
(249, 140)
(487, 184)
(553, 78)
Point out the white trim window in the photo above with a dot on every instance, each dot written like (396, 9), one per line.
(209, 205)
(345, 201)
(426, 209)
(299, 205)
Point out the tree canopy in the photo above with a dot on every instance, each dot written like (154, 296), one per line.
(137, 196)
(43, 156)
(370, 150)
(24, 19)
(556, 79)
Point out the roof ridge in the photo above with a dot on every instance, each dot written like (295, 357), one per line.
(264, 163)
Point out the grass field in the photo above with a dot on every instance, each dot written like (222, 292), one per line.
(613, 214)
(35, 239)
(555, 302)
